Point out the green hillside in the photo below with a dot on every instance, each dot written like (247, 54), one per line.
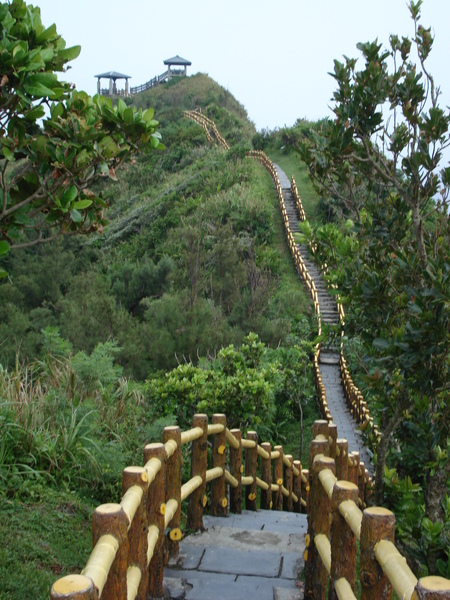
(191, 270)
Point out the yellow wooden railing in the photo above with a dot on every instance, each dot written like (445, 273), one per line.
(133, 540)
(208, 125)
(339, 519)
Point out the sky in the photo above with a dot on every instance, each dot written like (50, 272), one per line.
(274, 56)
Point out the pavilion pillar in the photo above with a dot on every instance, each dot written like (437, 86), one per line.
(110, 86)
(127, 87)
(98, 86)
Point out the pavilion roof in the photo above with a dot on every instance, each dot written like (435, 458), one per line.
(177, 60)
(113, 75)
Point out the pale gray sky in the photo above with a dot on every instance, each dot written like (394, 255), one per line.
(273, 56)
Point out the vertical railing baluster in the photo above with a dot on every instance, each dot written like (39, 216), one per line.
(297, 486)
(288, 484)
(219, 500)
(156, 506)
(236, 471)
(377, 524)
(137, 534)
(342, 538)
(199, 456)
(251, 461)
(277, 497)
(266, 476)
(173, 488)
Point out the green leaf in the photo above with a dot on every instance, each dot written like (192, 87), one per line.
(4, 248)
(381, 343)
(69, 53)
(47, 34)
(81, 204)
(148, 114)
(3, 273)
(128, 116)
(75, 216)
(69, 195)
(8, 154)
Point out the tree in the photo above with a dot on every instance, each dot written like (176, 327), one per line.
(379, 161)
(55, 142)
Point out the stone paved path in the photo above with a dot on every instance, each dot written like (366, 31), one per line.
(253, 556)
(329, 357)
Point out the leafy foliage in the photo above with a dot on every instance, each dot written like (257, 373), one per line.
(378, 163)
(47, 170)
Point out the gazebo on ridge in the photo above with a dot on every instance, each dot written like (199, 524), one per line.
(113, 76)
(176, 61)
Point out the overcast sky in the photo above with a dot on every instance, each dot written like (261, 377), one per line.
(272, 55)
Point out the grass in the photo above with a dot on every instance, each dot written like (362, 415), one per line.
(46, 535)
(292, 165)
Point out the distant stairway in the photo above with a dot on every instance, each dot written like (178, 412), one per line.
(329, 353)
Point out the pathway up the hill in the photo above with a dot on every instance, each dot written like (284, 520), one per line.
(253, 556)
(329, 356)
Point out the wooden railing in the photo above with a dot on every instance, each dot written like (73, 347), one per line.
(133, 540)
(212, 133)
(339, 519)
(301, 268)
(152, 83)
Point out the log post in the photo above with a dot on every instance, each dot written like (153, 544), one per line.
(342, 459)
(332, 437)
(362, 484)
(236, 471)
(306, 490)
(156, 508)
(353, 467)
(320, 427)
(173, 488)
(342, 538)
(73, 587)
(297, 486)
(111, 519)
(219, 500)
(251, 462)
(288, 478)
(266, 475)
(138, 532)
(278, 478)
(432, 588)
(199, 456)
(318, 522)
(377, 524)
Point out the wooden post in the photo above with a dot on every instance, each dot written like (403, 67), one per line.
(218, 496)
(266, 475)
(137, 534)
(278, 478)
(342, 538)
(342, 459)
(297, 486)
(318, 522)
(362, 484)
(251, 461)
(320, 427)
(332, 436)
(317, 447)
(236, 471)
(73, 587)
(111, 519)
(377, 524)
(306, 489)
(432, 588)
(353, 467)
(288, 477)
(199, 456)
(156, 508)
(173, 488)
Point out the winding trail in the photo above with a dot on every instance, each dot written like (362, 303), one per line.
(329, 357)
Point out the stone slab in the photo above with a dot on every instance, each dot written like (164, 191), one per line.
(262, 563)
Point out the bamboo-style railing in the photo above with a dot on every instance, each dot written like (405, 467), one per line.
(340, 518)
(212, 133)
(133, 540)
